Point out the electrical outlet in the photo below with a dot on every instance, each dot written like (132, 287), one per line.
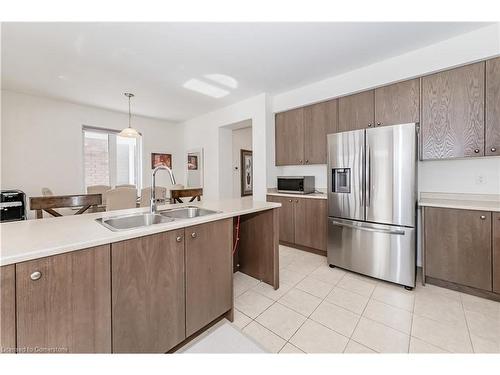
(480, 179)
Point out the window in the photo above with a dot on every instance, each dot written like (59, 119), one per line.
(110, 159)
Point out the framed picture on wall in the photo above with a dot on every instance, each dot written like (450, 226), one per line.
(246, 173)
(192, 162)
(161, 159)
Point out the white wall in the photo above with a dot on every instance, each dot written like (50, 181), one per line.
(208, 130)
(241, 140)
(460, 174)
(42, 143)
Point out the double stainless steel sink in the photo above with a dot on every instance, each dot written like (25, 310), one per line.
(125, 222)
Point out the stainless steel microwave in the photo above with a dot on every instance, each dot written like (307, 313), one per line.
(296, 184)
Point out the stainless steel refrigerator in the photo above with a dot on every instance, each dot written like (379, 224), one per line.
(372, 182)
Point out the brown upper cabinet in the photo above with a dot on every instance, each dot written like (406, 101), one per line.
(398, 103)
(301, 133)
(148, 293)
(492, 107)
(356, 111)
(290, 137)
(319, 120)
(453, 113)
(63, 302)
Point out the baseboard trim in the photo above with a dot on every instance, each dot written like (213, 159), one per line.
(304, 248)
(463, 288)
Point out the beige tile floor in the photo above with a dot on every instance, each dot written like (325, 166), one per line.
(318, 309)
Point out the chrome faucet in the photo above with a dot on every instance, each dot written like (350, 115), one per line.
(153, 185)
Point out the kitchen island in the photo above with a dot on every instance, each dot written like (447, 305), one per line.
(69, 284)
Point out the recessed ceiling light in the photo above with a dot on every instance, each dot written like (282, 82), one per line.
(205, 88)
(223, 80)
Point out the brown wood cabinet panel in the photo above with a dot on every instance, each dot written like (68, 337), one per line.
(7, 309)
(258, 248)
(496, 252)
(492, 107)
(356, 111)
(311, 222)
(458, 246)
(319, 120)
(398, 103)
(148, 293)
(290, 137)
(67, 309)
(209, 273)
(286, 217)
(453, 113)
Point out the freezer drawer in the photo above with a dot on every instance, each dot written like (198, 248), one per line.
(382, 251)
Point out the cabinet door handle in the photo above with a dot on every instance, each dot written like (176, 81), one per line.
(36, 275)
(296, 201)
(300, 161)
(307, 161)
(483, 217)
(493, 149)
(178, 238)
(379, 123)
(369, 125)
(476, 151)
(290, 200)
(193, 235)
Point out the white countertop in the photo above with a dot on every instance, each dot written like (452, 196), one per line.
(31, 239)
(321, 195)
(480, 202)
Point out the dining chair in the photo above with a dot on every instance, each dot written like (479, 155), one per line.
(46, 192)
(160, 193)
(98, 189)
(121, 198)
(126, 185)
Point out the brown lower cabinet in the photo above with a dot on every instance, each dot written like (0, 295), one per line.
(169, 285)
(496, 252)
(148, 293)
(303, 221)
(7, 309)
(209, 273)
(143, 295)
(458, 246)
(63, 303)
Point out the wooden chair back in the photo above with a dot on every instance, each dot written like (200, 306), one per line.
(49, 203)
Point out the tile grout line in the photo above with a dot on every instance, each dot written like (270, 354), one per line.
(359, 320)
(467, 324)
(308, 317)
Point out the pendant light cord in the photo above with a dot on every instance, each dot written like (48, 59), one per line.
(129, 114)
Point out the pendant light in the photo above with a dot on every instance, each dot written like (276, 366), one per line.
(129, 132)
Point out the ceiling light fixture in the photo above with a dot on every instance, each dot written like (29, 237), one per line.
(223, 79)
(205, 88)
(129, 132)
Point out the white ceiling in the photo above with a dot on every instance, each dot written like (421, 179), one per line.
(95, 63)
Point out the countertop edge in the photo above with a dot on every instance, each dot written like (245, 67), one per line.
(463, 205)
(307, 196)
(129, 234)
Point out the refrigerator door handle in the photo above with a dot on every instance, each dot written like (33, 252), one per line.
(359, 227)
(368, 176)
